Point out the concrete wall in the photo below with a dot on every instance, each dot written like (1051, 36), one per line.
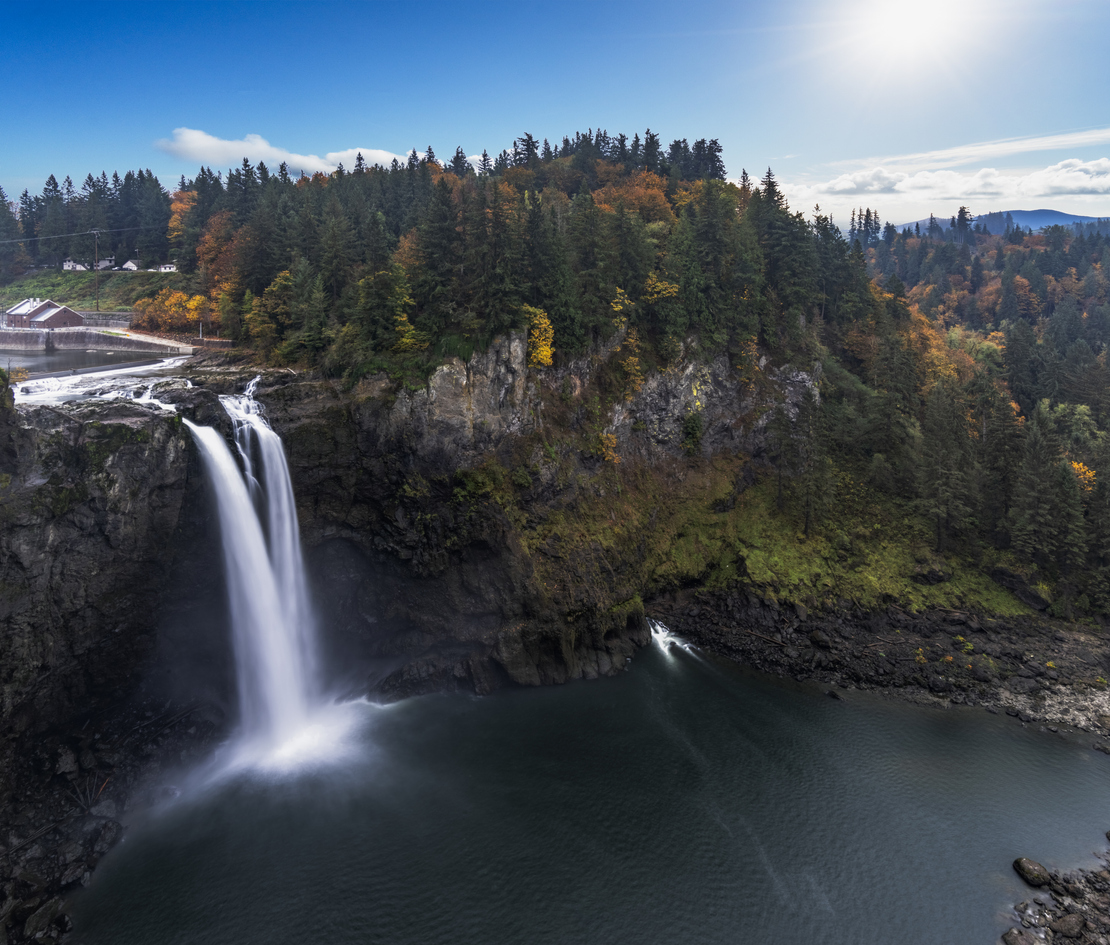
(107, 319)
(78, 339)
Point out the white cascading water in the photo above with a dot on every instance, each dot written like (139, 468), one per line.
(271, 616)
(667, 641)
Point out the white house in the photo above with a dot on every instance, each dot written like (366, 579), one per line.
(167, 267)
(107, 263)
(70, 266)
(132, 265)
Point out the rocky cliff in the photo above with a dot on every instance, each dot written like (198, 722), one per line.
(437, 518)
(90, 500)
(460, 534)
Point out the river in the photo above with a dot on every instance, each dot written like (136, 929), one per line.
(684, 801)
(44, 362)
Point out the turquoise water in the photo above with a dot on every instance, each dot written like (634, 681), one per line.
(684, 801)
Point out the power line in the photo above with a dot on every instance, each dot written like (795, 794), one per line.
(60, 236)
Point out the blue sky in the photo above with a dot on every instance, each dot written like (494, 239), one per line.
(906, 107)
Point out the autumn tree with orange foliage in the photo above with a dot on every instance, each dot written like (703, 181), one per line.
(173, 311)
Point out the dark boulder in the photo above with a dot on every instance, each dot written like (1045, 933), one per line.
(931, 574)
(821, 639)
(1031, 871)
(1070, 926)
(42, 918)
(200, 405)
(981, 673)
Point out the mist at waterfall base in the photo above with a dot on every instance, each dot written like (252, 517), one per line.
(685, 800)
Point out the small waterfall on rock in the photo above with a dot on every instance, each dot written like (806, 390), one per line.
(273, 629)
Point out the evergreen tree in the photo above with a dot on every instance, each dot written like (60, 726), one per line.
(1034, 518)
(11, 252)
(336, 237)
(944, 472)
(814, 483)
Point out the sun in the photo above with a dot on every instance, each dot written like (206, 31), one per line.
(914, 32)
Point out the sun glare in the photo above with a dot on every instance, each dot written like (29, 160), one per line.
(910, 31)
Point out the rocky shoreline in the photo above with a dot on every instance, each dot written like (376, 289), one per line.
(1038, 670)
(1072, 906)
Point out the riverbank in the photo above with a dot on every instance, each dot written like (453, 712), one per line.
(1034, 668)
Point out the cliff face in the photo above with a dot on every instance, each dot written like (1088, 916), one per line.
(456, 533)
(90, 499)
(100, 505)
(428, 513)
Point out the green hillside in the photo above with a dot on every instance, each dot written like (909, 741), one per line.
(118, 290)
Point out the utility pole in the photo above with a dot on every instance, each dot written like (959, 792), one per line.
(96, 264)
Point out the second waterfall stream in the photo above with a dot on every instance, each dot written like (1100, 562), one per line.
(274, 633)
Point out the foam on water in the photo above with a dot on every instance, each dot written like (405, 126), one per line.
(91, 386)
(666, 641)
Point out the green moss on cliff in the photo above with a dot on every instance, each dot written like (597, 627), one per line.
(655, 529)
(102, 440)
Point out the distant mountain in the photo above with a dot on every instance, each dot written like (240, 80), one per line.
(1026, 219)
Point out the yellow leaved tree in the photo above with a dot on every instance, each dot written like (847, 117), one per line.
(541, 337)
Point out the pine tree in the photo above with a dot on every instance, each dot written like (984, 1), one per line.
(441, 253)
(384, 299)
(1072, 524)
(1021, 364)
(975, 279)
(651, 152)
(1034, 518)
(944, 481)
(336, 237)
(814, 485)
(10, 251)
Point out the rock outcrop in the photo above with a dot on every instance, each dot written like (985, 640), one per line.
(91, 498)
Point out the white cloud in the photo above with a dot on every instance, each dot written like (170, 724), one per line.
(1071, 184)
(1073, 177)
(878, 180)
(193, 145)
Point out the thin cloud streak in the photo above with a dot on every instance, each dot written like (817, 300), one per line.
(965, 154)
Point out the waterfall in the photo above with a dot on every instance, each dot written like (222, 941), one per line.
(272, 625)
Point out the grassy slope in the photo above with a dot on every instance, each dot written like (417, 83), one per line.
(118, 290)
(682, 524)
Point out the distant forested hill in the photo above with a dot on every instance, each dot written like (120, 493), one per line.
(999, 221)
